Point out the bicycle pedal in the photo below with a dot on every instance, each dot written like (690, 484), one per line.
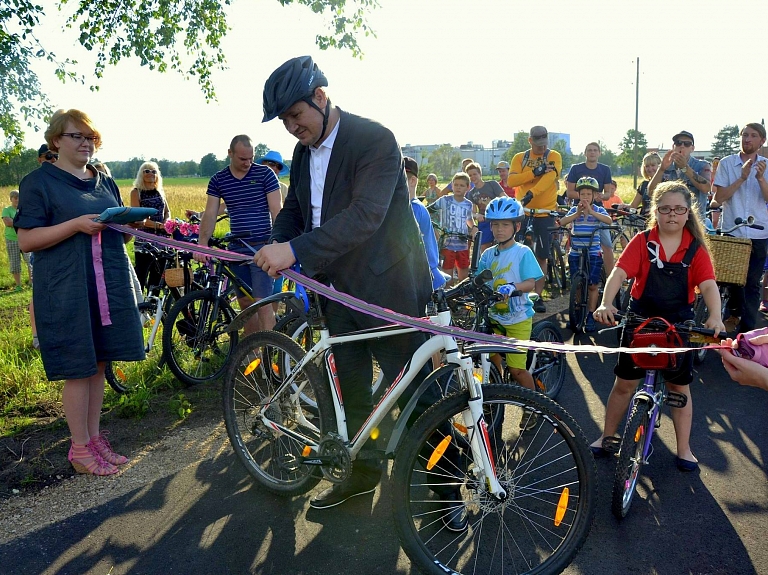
(674, 399)
(612, 444)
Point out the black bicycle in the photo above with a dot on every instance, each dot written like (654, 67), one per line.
(197, 346)
(124, 376)
(578, 305)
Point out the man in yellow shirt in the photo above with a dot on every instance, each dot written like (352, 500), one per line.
(535, 171)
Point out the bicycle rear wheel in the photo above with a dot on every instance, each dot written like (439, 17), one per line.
(577, 307)
(630, 458)
(547, 471)
(195, 343)
(259, 366)
(549, 372)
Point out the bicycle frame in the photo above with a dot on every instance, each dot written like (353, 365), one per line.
(473, 415)
(651, 391)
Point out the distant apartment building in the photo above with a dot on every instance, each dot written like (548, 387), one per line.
(486, 157)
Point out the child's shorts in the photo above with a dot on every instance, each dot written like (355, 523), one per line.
(595, 265)
(520, 330)
(453, 259)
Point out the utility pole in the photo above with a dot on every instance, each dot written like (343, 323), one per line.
(637, 108)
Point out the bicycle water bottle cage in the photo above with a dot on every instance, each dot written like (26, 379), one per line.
(649, 335)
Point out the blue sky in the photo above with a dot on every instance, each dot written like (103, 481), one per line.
(446, 71)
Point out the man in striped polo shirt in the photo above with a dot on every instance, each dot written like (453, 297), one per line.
(251, 193)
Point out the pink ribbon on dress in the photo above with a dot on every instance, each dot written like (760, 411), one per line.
(101, 284)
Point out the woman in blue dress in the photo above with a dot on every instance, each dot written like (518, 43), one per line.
(84, 298)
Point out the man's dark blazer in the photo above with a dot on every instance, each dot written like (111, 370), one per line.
(368, 244)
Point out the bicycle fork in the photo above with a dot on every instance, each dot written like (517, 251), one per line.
(477, 430)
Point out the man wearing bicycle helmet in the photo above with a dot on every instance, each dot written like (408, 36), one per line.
(347, 218)
(514, 268)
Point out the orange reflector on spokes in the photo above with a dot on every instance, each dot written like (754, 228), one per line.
(306, 451)
(562, 506)
(251, 366)
(438, 452)
(460, 427)
(540, 384)
(638, 433)
(275, 369)
(121, 375)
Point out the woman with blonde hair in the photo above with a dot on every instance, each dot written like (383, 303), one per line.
(651, 162)
(148, 192)
(84, 297)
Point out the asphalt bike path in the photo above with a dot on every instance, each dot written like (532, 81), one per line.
(209, 517)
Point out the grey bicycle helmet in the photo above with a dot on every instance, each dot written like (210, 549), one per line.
(292, 82)
(504, 208)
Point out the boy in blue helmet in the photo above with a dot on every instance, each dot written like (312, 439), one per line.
(514, 267)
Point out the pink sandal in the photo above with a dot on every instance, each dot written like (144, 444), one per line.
(79, 456)
(101, 443)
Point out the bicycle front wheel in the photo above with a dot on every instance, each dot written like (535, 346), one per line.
(630, 459)
(577, 307)
(546, 469)
(549, 371)
(195, 342)
(699, 317)
(259, 366)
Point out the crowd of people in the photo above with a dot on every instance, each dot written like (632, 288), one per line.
(350, 217)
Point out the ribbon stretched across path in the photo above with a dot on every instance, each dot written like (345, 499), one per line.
(422, 324)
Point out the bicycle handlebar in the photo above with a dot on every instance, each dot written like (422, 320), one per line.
(740, 223)
(633, 320)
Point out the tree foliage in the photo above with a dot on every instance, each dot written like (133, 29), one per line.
(627, 158)
(445, 160)
(519, 144)
(180, 35)
(567, 156)
(727, 141)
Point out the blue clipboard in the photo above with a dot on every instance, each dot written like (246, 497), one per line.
(121, 215)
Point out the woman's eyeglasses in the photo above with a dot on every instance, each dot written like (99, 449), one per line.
(78, 137)
(679, 210)
(150, 171)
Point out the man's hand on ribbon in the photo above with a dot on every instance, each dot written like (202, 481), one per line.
(275, 257)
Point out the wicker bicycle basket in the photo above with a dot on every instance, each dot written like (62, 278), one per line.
(730, 257)
(174, 277)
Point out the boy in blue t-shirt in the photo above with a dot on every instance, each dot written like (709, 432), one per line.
(514, 267)
(586, 216)
(455, 213)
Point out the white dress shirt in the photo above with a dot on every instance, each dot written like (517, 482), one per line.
(319, 159)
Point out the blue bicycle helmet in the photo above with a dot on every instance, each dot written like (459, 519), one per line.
(504, 208)
(292, 82)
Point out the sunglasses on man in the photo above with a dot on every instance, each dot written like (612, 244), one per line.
(685, 143)
(51, 156)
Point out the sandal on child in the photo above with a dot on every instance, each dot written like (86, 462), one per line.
(102, 445)
(85, 459)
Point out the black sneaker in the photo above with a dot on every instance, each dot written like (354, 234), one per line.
(338, 494)
(538, 306)
(454, 515)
